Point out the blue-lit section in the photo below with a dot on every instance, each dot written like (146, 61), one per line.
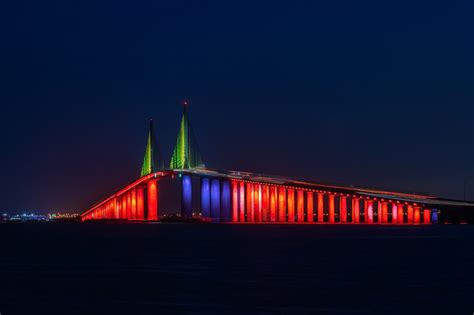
(434, 216)
(205, 198)
(215, 199)
(187, 197)
(226, 202)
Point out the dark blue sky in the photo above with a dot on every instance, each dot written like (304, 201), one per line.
(371, 93)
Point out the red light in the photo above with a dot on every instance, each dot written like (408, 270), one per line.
(300, 205)
(291, 205)
(343, 207)
(152, 200)
(310, 206)
(331, 209)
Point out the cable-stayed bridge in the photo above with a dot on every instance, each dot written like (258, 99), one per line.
(243, 197)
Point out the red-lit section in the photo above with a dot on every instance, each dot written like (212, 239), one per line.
(257, 202)
(410, 214)
(124, 207)
(140, 204)
(370, 211)
(273, 204)
(426, 216)
(416, 215)
(235, 201)
(355, 210)
(117, 208)
(379, 212)
(152, 198)
(310, 206)
(282, 204)
(300, 205)
(331, 209)
(394, 213)
(129, 206)
(242, 202)
(343, 207)
(291, 205)
(265, 203)
(320, 207)
(401, 214)
(384, 212)
(250, 215)
(134, 204)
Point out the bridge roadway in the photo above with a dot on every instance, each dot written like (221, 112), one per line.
(242, 197)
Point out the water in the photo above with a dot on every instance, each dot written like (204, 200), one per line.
(58, 268)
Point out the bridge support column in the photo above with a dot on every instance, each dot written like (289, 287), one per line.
(186, 197)
(116, 212)
(140, 204)
(226, 202)
(320, 207)
(291, 205)
(332, 209)
(394, 213)
(250, 202)
(129, 205)
(410, 214)
(119, 208)
(282, 204)
(426, 216)
(266, 203)
(355, 210)
(257, 202)
(400, 215)
(384, 218)
(241, 201)
(124, 206)
(310, 206)
(235, 201)
(152, 200)
(134, 204)
(300, 205)
(378, 206)
(343, 208)
(205, 198)
(215, 200)
(370, 211)
(273, 204)
(434, 216)
(417, 215)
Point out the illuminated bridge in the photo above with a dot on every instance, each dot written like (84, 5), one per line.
(241, 197)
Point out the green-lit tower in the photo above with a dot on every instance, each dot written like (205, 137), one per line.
(152, 161)
(186, 152)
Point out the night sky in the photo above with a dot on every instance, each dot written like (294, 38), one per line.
(369, 93)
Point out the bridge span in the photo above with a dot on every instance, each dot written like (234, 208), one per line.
(243, 197)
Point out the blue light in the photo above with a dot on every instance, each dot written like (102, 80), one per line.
(226, 202)
(187, 197)
(205, 198)
(434, 216)
(215, 199)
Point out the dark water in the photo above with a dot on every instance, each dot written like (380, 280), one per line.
(235, 269)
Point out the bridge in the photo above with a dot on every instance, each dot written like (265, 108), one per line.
(211, 195)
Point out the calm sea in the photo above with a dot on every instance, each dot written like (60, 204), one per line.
(68, 268)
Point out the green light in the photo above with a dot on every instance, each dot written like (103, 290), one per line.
(186, 152)
(148, 166)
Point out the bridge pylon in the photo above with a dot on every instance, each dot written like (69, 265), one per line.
(186, 151)
(152, 161)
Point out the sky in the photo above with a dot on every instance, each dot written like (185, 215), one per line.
(366, 93)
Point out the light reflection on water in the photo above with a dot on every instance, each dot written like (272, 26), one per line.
(235, 269)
